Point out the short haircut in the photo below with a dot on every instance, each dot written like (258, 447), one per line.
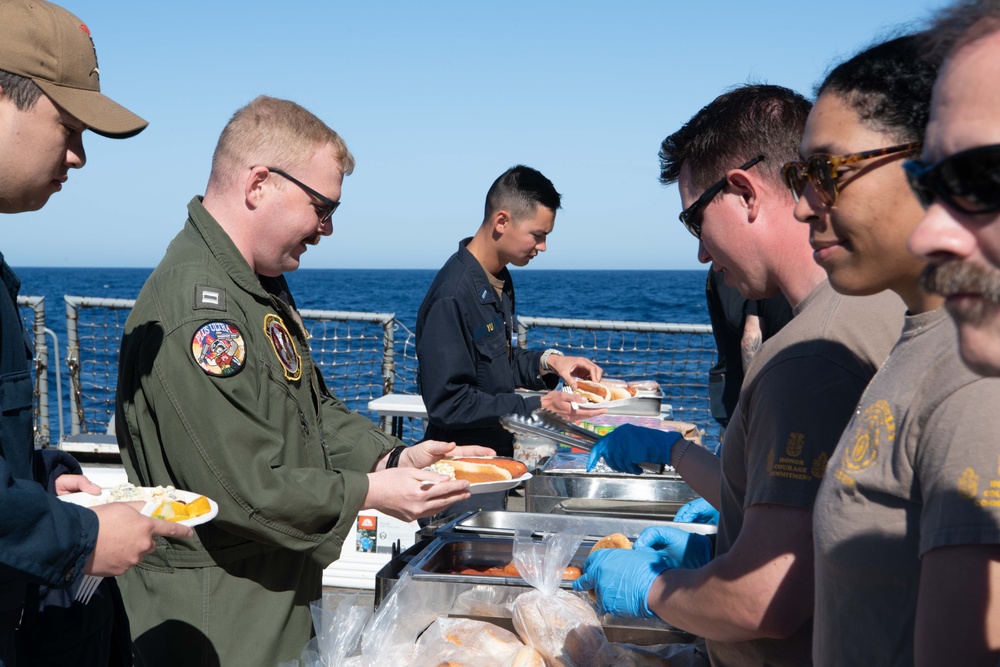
(520, 191)
(272, 132)
(889, 85)
(961, 23)
(21, 90)
(734, 128)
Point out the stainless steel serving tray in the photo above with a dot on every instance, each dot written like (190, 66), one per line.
(563, 486)
(444, 559)
(540, 525)
(430, 571)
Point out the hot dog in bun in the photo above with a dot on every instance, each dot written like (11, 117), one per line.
(478, 470)
(595, 392)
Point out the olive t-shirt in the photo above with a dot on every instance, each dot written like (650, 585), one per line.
(916, 469)
(798, 395)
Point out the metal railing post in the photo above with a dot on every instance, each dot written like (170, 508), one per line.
(73, 363)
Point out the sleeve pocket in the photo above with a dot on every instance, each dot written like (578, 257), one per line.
(16, 391)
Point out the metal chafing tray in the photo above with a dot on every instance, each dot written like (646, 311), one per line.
(594, 527)
(562, 485)
(447, 556)
(489, 598)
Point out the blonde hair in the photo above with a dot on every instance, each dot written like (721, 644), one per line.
(272, 132)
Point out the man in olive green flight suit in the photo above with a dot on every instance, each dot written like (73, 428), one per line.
(218, 394)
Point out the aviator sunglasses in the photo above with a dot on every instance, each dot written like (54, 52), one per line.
(689, 217)
(329, 206)
(968, 181)
(821, 170)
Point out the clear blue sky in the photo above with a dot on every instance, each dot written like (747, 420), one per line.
(435, 99)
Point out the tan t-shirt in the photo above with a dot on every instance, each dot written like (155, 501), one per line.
(798, 395)
(916, 469)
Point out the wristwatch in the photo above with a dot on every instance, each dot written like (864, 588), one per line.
(545, 359)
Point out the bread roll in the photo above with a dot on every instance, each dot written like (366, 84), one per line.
(612, 541)
(526, 657)
(618, 393)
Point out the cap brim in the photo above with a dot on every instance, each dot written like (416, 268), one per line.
(99, 113)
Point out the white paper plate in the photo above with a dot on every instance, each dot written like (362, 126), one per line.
(490, 487)
(87, 500)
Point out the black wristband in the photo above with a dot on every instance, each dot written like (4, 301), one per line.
(394, 455)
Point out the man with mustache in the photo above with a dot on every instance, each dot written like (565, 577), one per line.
(906, 523)
(958, 180)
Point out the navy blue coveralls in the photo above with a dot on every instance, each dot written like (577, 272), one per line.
(42, 540)
(469, 363)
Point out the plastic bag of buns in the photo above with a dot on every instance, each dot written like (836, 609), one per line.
(559, 624)
(467, 642)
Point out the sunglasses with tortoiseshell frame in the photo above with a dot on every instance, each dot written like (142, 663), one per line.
(821, 170)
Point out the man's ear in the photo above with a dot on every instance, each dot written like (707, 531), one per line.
(254, 186)
(749, 191)
(501, 221)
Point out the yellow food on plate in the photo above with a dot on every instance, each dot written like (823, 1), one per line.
(178, 510)
(198, 506)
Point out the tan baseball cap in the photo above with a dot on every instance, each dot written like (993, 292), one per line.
(53, 48)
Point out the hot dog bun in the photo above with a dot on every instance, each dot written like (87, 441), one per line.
(515, 468)
(612, 541)
(476, 473)
(618, 393)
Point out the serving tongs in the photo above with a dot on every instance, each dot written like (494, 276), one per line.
(547, 424)
(535, 427)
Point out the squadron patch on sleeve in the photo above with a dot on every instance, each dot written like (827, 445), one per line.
(219, 349)
(284, 346)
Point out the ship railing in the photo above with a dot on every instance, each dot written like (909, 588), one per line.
(33, 317)
(363, 356)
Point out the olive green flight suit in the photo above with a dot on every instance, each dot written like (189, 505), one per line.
(261, 435)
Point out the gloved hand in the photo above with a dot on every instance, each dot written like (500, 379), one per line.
(698, 511)
(622, 579)
(629, 445)
(677, 548)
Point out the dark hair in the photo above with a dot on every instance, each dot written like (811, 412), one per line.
(735, 127)
(889, 85)
(21, 90)
(520, 191)
(959, 24)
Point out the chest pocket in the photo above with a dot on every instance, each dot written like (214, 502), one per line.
(16, 393)
(491, 338)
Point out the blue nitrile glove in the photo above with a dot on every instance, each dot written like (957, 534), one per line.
(622, 579)
(678, 548)
(698, 510)
(629, 445)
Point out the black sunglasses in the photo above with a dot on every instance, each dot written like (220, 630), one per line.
(968, 181)
(329, 206)
(689, 217)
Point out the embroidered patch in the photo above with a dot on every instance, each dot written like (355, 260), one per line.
(284, 346)
(219, 349)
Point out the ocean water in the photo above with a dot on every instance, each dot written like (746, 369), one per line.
(644, 296)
